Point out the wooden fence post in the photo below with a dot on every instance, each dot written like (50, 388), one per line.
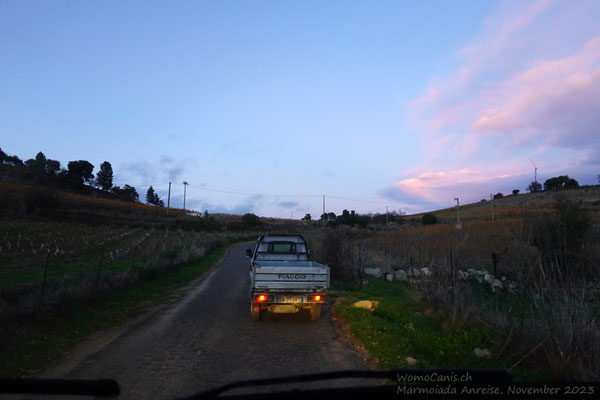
(99, 266)
(44, 281)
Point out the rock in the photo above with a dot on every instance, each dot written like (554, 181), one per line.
(400, 275)
(366, 304)
(426, 271)
(374, 272)
(472, 271)
(482, 353)
(414, 272)
(462, 276)
(503, 278)
(496, 284)
(389, 277)
(365, 282)
(488, 278)
(410, 361)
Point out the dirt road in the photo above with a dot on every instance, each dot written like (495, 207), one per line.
(205, 338)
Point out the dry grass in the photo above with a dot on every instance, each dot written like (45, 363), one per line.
(549, 322)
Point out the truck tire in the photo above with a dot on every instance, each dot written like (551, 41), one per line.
(315, 312)
(255, 311)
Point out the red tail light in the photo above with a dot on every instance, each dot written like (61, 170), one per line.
(261, 297)
(318, 298)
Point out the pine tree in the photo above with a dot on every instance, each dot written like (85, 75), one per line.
(104, 177)
(151, 196)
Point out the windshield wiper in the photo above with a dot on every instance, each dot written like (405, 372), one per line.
(82, 387)
(418, 377)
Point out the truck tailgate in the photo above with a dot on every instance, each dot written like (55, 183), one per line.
(290, 278)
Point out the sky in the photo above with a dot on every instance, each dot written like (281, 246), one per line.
(266, 106)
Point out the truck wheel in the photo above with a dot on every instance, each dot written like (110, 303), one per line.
(255, 311)
(315, 312)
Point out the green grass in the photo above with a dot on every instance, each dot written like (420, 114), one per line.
(399, 328)
(36, 348)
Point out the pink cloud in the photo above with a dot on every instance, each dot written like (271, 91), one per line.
(528, 86)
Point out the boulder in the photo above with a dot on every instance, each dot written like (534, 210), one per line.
(488, 278)
(374, 272)
(462, 275)
(426, 271)
(389, 277)
(400, 275)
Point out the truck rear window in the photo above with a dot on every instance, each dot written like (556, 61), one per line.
(282, 247)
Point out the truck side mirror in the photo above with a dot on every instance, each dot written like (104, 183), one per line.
(248, 253)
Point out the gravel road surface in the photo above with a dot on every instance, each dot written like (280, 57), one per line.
(204, 337)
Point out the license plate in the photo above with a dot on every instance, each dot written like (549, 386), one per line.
(290, 299)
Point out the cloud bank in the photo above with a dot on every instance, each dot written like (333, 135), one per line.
(528, 87)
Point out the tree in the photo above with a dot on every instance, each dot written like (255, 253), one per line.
(250, 220)
(571, 184)
(80, 171)
(151, 196)
(307, 217)
(104, 177)
(534, 186)
(126, 193)
(560, 182)
(158, 201)
(39, 164)
(498, 196)
(11, 160)
(52, 167)
(515, 192)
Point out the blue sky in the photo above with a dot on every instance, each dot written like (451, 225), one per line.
(402, 104)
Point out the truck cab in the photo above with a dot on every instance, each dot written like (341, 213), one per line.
(283, 279)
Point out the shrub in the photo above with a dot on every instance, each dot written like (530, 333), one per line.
(429, 219)
(560, 237)
(250, 220)
(336, 252)
(515, 192)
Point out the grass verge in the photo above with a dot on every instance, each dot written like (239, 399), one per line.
(402, 327)
(34, 348)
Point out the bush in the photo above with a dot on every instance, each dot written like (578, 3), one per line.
(250, 220)
(429, 219)
(336, 253)
(515, 192)
(560, 237)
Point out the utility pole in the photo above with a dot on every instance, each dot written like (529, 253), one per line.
(492, 201)
(169, 199)
(184, 190)
(386, 215)
(457, 210)
(323, 204)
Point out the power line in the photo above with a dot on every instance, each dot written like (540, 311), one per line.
(209, 189)
(251, 194)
